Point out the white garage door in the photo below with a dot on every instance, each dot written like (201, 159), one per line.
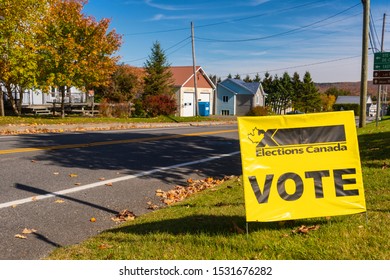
(188, 106)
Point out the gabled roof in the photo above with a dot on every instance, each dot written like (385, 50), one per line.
(184, 76)
(251, 87)
(351, 100)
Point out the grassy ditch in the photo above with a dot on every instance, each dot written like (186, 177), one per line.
(211, 225)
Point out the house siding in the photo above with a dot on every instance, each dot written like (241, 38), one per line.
(242, 97)
(244, 104)
(223, 106)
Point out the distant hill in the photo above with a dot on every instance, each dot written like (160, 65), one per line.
(353, 87)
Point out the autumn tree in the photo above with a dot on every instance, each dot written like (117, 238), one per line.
(125, 84)
(337, 92)
(18, 48)
(77, 50)
(327, 102)
(158, 97)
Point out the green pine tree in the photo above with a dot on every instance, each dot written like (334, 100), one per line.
(158, 78)
(310, 100)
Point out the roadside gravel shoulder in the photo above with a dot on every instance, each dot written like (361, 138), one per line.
(12, 129)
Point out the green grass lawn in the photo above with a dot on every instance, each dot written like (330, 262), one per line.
(211, 225)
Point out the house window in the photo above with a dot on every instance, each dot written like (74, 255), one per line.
(225, 113)
(225, 98)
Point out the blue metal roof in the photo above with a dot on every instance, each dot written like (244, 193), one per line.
(252, 87)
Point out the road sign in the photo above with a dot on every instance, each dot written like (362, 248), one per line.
(381, 81)
(382, 57)
(382, 74)
(381, 68)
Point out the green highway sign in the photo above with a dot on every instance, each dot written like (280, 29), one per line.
(382, 57)
(381, 68)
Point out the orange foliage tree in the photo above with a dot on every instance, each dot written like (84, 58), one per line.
(77, 51)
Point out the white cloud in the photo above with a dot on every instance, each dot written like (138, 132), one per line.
(164, 7)
(257, 2)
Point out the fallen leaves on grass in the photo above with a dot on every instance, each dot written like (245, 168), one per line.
(384, 166)
(179, 193)
(123, 216)
(152, 206)
(305, 229)
(105, 246)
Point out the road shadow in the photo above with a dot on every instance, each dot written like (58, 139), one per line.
(131, 153)
(38, 191)
(211, 225)
(375, 149)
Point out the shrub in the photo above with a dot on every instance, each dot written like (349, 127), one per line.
(258, 111)
(347, 107)
(157, 105)
(117, 110)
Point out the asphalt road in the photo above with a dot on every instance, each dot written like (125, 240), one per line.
(53, 184)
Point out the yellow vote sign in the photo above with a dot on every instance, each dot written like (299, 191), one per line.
(300, 166)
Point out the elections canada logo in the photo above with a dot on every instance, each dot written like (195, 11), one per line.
(296, 141)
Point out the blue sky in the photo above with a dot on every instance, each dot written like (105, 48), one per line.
(249, 37)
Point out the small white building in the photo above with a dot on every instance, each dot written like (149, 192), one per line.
(185, 89)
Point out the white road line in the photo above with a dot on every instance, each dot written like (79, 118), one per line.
(102, 183)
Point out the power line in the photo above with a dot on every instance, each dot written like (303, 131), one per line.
(278, 34)
(171, 47)
(227, 21)
(302, 65)
(260, 15)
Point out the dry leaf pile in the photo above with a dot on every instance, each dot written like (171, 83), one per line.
(179, 193)
(123, 216)
(305, 229)
(24, 233)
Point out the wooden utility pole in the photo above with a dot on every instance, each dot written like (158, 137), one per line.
(378, 102)
(194, 69)
(363, 80)
(2, 113)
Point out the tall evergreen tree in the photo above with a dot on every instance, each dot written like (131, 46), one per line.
(257, 78)
(310, 100)
(286, 92)
(297, 90)
(247, 79)
(159, 95)
(158, 78)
